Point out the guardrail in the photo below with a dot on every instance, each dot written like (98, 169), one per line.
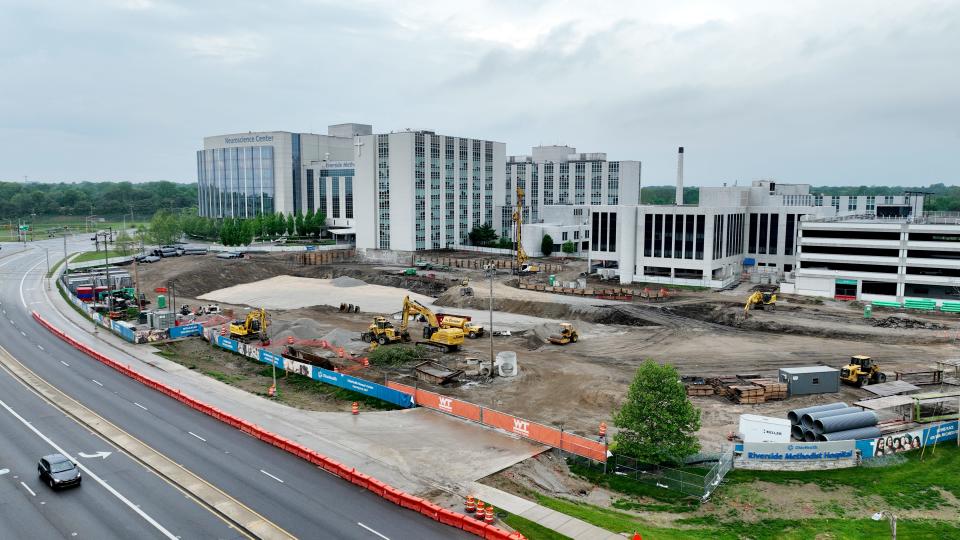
(350, 474)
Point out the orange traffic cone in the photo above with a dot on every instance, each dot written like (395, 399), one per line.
(355, 408)
(636, 536)
(480, 512)
(603, 429)
(271, 391)
(471, 506)
(290, 340)
(489, 516)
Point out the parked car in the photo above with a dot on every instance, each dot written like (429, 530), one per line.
(57, 471)
(150, 259)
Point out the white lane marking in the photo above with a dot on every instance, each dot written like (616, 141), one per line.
(141, 406)
(271, 476)
(64, 363)
(197, 436)
(41, 347)
(26, 487)
(22, 333)
(96, 382)
(13, 323)
(23, 300)
(101, 454)
(4, 471)
(373, 531)
(4, 312)
(91, 474)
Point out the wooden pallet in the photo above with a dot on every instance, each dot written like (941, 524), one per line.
(772, 389)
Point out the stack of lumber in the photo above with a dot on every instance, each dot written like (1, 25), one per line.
(747, 393)
(699, 389)
(772, 389)
(721, 385)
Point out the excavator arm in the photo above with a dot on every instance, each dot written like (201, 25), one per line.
(411, 308)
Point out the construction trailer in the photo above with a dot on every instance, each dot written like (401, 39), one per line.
(810, 380)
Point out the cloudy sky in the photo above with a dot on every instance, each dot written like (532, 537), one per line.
(825, 92)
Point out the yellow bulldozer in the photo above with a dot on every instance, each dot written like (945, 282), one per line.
(862, 371)
(760, 300)
(383, 332)
(568, 334)
(253, 327)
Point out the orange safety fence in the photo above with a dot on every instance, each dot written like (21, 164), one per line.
(569, 442)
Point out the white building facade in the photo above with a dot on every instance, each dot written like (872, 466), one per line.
(559, 175)
(418, 190)
(880, 259)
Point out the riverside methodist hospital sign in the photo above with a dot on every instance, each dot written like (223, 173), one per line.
(799, 451)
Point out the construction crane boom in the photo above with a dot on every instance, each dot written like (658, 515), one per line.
(518, 223)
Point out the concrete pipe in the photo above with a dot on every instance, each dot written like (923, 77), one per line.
(796, 432)
(807, 419)
(794, 415)
(809, 435)
(832, 424)
(871, 432)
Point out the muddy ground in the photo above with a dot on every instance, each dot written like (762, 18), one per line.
(701, 333)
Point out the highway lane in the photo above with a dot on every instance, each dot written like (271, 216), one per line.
(289, 491)
(30, 509)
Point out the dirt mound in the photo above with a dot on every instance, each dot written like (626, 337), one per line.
(346, 281)
(302, 328)
(906, 322)
(344, 338)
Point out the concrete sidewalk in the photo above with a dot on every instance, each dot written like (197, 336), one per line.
(417, 450)
(551, 519)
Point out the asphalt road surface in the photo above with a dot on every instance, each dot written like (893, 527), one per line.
(295, 495)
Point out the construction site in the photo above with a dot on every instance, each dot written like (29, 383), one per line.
(576, 343)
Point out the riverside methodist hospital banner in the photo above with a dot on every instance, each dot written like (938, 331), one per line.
(895, 443)
(799, 451)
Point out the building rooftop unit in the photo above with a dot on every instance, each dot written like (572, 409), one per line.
(922, 218)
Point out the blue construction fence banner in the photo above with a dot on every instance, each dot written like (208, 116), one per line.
(891, 443)
(187, 330)
(355, 384)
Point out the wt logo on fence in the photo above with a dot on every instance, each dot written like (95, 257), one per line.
(446, 404)
(521, 427)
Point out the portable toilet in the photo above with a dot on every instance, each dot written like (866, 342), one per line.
(161, 301)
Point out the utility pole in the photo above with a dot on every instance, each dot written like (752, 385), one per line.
(66, 263)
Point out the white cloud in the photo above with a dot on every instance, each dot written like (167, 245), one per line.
(232, 49)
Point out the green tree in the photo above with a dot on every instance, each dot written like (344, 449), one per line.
(299, 224)
(308, 224)
(569, 247)
(318, 223)
(226, 232)
(124, 243)
(165, 227)
(505, 243)
(279, 224)
(291, 225)
(546, 245)
(483, 235)
(142, 234)
(657, 423)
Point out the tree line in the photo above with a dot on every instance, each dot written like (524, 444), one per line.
(112, 199)
(167, 227)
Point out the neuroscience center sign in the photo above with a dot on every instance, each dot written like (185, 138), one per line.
(799, 451)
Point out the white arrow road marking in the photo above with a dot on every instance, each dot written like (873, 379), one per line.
(373, 531)
(26, 487)
(100, 454)
(41, 347)
(4, 471)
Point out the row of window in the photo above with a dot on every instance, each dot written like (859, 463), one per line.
(235, 182)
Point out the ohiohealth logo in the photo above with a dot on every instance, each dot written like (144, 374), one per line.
(446, 403)
(521, 427)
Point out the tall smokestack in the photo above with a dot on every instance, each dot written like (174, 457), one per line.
(679, 199)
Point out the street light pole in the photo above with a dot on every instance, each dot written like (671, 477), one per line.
(491, 270)
(47, 253)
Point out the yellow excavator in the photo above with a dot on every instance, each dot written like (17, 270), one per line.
(760, 300)
(448, 339)
(251, 328)
(522, 267)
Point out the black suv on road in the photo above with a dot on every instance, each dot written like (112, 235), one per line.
(58, 471)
